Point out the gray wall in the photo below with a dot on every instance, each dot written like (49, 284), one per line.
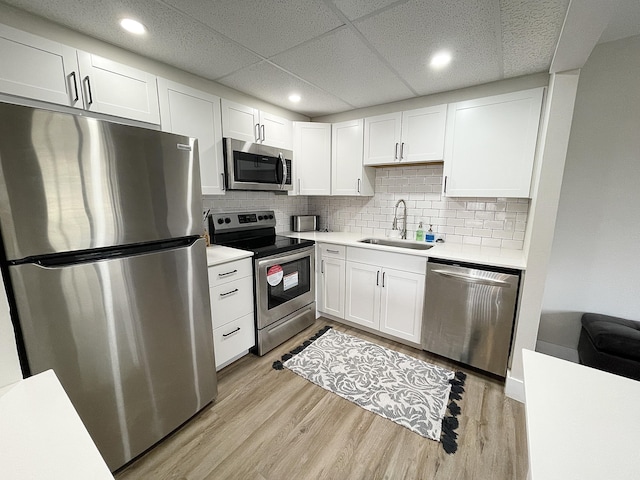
(596, 249)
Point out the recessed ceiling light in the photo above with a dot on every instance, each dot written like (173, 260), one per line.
(132, 26)
(440, 60)
(295, 98)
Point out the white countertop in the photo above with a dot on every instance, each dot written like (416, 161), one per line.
(582, 423)
(42, 436)
(497, 257)
(217, 254)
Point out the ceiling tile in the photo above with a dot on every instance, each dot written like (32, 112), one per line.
(353, 9)
(273, 85)
(172, 38)
(341, 64)
(530, 32)
(408, 34)
(265, 27)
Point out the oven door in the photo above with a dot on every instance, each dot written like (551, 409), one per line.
(284, 283)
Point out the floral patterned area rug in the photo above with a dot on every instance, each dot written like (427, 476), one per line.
(411, 392)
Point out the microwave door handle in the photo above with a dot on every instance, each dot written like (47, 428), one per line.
(285, 170)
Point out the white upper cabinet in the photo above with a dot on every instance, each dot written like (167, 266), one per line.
(40, 69)
(348, 175)
(116, 89)
(240, 122)
(251, 125)
(414, 136)
(490, 145)
(37, 68)
(312, 158)
(186, 111)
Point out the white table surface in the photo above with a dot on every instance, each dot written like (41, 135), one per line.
(582, 423)
(42, 436)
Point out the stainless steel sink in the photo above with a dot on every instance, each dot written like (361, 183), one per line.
(396, 243)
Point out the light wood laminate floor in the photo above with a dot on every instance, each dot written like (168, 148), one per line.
(274, 425)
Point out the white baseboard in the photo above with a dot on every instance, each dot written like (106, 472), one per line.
(514, 388)
(558, 351)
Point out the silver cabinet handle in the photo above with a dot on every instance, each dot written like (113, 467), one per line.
(378, 278)
(257, 132)
(229, 293)
(299, 185)
(383, 274)
(75, 86)
(358, 185)
(471, 279)
(445, 184)
(262, 128)
(227, 273)
(231, 333)
(333, 251)
(222, 186)
(395, 152)
(401, 151)
(88, 84)
(322, 266)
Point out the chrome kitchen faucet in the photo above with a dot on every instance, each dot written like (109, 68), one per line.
(403, 232)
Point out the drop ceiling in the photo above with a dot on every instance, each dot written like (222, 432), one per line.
(337, 54)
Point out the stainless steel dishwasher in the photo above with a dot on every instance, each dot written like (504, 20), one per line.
(469, 313)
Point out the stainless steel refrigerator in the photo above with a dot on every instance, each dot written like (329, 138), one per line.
(106, 272)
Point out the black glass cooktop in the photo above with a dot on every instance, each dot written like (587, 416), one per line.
(263, 246)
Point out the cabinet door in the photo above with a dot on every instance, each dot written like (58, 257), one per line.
(34, 67)
(348, 176)
(276, 131)
(402, 300)
(423, 134)
(382, 139)
(490, 145)
(240, 122)
(333, 275)
(363, 294)
(116, 89)
(312, 158)
(186, 111)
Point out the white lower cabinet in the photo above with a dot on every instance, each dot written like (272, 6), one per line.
(231, 295)
(385, 292)
(331, 280)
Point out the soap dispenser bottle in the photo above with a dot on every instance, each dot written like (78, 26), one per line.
(420, 233)
(430, 237)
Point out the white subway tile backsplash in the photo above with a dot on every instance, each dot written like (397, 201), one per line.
(486, 221)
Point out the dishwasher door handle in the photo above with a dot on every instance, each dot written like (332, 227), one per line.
(471, 279)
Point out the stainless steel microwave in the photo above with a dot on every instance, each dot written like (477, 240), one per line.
(251, 166)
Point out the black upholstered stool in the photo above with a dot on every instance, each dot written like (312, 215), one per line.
(611, 344)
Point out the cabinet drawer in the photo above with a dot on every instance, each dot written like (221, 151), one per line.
(227, 272)
(335, 251)
(231, 300)
(233, 339)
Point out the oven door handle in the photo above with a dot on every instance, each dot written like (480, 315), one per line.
(279, 258)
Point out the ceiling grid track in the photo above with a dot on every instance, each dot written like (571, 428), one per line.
(366, 42)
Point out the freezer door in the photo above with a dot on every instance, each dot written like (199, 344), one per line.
(129, 338)
(469, 315)
(71, 183)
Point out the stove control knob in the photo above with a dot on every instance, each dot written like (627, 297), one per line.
(270, 217)
(220, 221)
(227, 220)
(259, 217)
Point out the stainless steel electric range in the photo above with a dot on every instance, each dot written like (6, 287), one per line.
(283, 274)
